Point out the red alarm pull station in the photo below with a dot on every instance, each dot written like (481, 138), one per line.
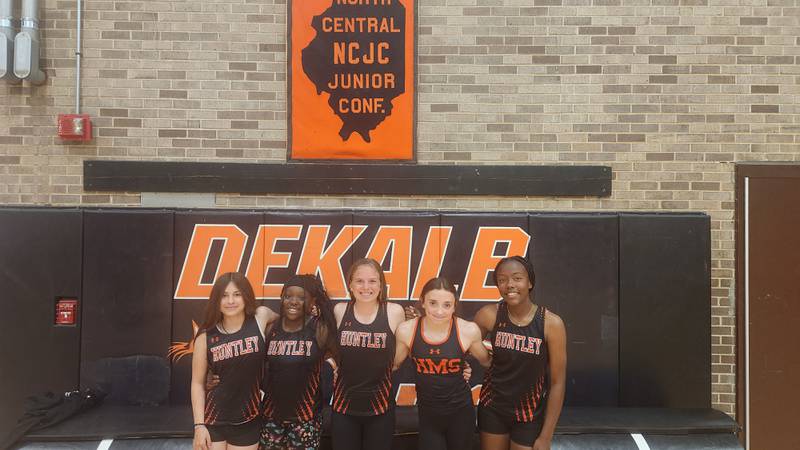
(74, 127)
(66, 311)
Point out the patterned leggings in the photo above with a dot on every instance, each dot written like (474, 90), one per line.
(292, 435)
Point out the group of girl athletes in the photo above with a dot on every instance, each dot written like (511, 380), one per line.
(364, 340)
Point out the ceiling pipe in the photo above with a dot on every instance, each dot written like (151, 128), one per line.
(7, 34)
(26, 45)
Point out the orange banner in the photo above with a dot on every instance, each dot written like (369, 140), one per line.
(351, 79)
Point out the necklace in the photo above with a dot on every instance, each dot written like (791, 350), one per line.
(222, 325)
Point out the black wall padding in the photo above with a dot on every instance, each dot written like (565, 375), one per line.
(40, 260)
(127, 283)
(185, 311)
(124, 266)
(575, 259)
(665, 347)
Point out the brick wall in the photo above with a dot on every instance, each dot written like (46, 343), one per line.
(670, 93)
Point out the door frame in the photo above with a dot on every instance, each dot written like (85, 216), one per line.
(743, 172)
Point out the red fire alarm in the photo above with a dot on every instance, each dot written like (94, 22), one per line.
(74, 127)
(66, 311)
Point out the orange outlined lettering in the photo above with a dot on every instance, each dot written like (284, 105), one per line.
(430, 264)
(406, 394)
(476, 394)
(265, 257)
(190, 283)
(399, 274)
(317, 259)
(482, 260)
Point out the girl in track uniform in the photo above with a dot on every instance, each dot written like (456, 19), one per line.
(296, 345)
(438, 343)
(363, 408)
(230, 342)
(523, 390)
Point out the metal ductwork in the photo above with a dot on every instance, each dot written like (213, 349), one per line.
(7, 34)
(26, 45)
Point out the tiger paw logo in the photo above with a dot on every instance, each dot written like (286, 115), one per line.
(180, 349)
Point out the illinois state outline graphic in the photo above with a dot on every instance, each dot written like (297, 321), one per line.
(358, 58)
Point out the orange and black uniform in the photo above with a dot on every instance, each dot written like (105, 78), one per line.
(292, 391)
(514, 392)
(363, 407)
(444, 399)
(238, 359)
(292, 400)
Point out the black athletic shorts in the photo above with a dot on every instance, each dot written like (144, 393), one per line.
(242, 435)
(522, 433)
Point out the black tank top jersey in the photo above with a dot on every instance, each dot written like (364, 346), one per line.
(516, 382)
(292, 391)
(238, 359)
(364, 381)
(439, 370)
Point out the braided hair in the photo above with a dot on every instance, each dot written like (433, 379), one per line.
(314, 287)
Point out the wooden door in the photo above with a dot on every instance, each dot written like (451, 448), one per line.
(769, 300)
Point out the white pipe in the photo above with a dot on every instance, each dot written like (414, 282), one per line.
(747, 312)
(7, 34)
(78, 61)
(26, 45)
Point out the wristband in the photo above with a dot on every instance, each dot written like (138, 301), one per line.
(199, 424)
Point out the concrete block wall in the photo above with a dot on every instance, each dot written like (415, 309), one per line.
(670, 93)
